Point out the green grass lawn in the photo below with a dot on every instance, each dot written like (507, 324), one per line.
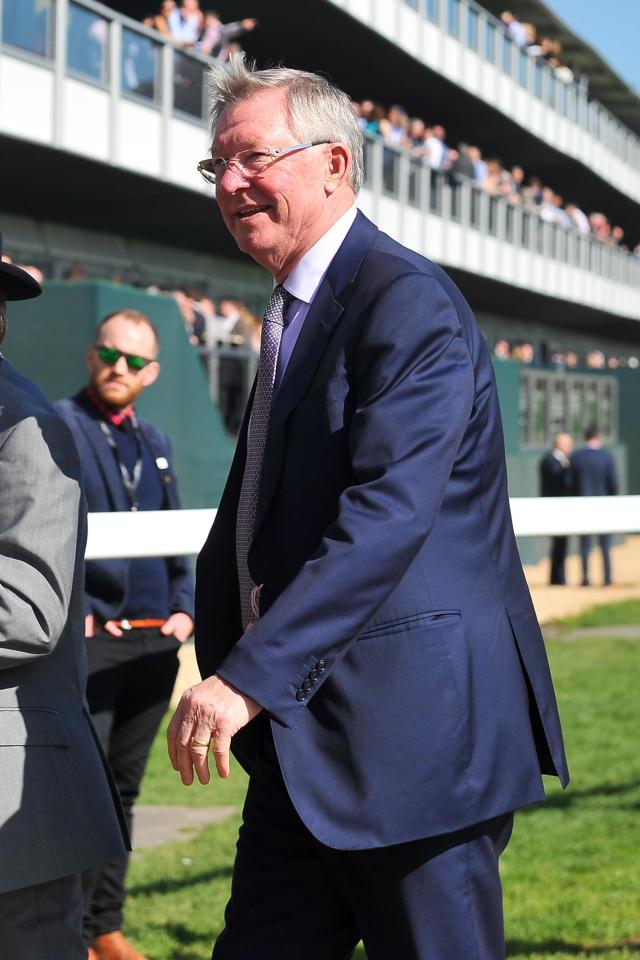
(621, 613)
(571, 872)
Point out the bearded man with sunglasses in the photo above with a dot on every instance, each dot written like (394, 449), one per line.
(138, 611)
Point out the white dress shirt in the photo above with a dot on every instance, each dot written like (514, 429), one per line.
(304, 280)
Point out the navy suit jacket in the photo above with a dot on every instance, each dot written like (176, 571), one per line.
(556, 480)
(107, 581)
(397, 656)
(594, 473)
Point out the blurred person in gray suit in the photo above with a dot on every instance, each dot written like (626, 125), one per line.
(58, 813)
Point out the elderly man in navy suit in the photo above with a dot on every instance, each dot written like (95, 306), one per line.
(594, 475)
(364, 630)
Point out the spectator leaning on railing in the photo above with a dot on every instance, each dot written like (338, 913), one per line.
(401, 132)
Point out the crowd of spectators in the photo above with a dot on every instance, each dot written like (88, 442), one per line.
(526, 36)
(466, 162)
(188, 25)
(228, 322)
(525, 352)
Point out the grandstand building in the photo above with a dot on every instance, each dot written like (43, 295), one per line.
(103, 120)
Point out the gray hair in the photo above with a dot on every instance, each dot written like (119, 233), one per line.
(3, 316)
(318, 110)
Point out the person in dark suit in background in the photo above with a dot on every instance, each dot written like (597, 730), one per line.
(556, 481)
(594, 475)
(364, 627)
(138, 611)
(59, 813)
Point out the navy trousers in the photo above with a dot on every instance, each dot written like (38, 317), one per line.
(586, 542)
(294, 899)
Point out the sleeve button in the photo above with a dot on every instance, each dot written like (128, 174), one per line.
(300, 694)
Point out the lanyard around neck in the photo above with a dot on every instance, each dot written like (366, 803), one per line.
(130, 481)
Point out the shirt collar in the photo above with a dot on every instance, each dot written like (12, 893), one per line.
(307, 275)
(115, 417)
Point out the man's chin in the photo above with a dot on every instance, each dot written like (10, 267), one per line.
(257, 250)
(116, 398)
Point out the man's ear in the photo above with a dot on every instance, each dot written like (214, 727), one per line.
(150, 373)
(338, 167)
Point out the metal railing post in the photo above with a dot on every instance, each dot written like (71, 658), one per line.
(115, 77)
(61, 14)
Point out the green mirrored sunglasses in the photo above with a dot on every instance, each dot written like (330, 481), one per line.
(110, 356)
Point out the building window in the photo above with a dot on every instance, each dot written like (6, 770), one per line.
(28, 25)
(188, 85)
(490, 42)
(433, 12)
(507, 54)
(473, 18)
(453, 17)
(140, 70)
(87, 41)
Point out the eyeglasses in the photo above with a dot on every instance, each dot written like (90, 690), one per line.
(110, 356)
(249, 162)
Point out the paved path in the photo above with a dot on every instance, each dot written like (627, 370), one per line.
(155, 825)
(551, 603)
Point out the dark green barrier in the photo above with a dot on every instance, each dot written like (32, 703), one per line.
(48, 339)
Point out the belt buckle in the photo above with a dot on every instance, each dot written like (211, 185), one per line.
(125, 625)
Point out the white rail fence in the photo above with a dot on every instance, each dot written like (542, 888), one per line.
(183, 532)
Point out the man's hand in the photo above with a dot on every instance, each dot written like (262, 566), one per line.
(179, 625)
(91, 627)
(211, 711)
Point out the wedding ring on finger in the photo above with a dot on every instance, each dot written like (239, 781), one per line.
(200, 743)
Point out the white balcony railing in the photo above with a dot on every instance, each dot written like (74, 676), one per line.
(459, 225)
(77, 76)
(462, 41)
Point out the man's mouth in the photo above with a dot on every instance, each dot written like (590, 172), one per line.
(245, 212)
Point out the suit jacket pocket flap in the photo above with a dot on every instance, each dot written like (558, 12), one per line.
(32, 728)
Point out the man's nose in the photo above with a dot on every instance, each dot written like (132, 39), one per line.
(120, 366)
(234, 178)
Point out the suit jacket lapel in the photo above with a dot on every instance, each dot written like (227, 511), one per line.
(105, 460)
(324, 313)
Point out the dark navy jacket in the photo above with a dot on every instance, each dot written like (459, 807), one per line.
(107, 581)
(556, 480)
(398, 656)
(594, 473)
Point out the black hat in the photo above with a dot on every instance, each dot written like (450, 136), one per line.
(17, 284)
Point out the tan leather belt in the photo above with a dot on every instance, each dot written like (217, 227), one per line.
(138, 624)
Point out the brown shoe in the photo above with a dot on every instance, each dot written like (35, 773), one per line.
(113, 946)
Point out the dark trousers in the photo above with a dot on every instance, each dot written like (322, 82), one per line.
(131, 679)
(294, 899)
(586, 542)
(44, 920)
(558, 557)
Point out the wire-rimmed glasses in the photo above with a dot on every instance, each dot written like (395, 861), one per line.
(249, 162)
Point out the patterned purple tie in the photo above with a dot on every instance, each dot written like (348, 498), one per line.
(272, 327)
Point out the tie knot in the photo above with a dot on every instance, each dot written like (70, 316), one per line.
(278, 304)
